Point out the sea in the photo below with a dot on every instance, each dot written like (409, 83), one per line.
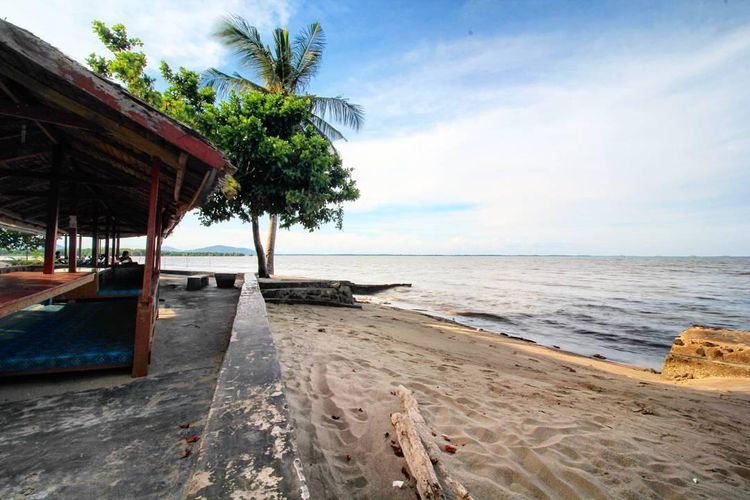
(627, 309)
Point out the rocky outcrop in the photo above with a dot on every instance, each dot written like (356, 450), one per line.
(701, 352)
(317, 292)
(323, 294)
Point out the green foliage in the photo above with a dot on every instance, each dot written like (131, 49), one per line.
(184, 99)
(14, 241)
(282, 168)
(128, 64)
(27, 262)
(285, 68)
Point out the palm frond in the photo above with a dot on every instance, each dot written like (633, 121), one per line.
(283, 69)
(325, 129)
(245, 40)
(308, 54)
(340, 110)
(224, 83)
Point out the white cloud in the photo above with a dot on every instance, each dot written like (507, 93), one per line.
(593, 158)
(634, 142)
(178, 31)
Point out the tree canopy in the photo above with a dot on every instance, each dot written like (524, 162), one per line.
(285, 68)
(184, 98)
(280, 142)
(282, 168)
(14, 241)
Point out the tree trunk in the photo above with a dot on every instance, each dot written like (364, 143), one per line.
(262, 271)
(271, 243)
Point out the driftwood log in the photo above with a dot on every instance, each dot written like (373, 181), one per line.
(416, 457)
(411, 411)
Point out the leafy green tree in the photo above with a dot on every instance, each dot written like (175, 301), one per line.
(282, 168)
(128, 64)
(14, 241)
(285, 68)
(184, 98)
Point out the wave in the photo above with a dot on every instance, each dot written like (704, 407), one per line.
(484, 315)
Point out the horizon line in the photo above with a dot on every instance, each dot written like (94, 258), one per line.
(305, 254)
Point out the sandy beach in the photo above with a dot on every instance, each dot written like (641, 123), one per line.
(527, 421)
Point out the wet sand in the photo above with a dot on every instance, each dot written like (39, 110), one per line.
(527, 421)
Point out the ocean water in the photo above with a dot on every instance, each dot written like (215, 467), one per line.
(628, 309)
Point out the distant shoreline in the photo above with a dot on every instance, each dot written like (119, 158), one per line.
(480, 255)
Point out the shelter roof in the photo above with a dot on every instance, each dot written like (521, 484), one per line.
(106, 138)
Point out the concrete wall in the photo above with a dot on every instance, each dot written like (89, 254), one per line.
(246, 449)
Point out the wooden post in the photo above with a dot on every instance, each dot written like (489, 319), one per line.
(144, 321)
(106, 243)
(80, 245)
(72, 254)
(95, 242)
(157, 257)
(114, 250)
(65, 245)
(53, 212)
(117, 243)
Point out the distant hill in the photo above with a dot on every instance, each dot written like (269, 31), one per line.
(224, 249)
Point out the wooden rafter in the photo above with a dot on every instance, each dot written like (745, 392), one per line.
(180, 176)
(43, 114)
(22, 151)
(151, 148)
(15, 99)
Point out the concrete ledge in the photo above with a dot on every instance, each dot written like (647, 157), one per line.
(246, 450)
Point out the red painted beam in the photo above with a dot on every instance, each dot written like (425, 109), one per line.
(144, 321)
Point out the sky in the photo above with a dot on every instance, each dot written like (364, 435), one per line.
(534, 127)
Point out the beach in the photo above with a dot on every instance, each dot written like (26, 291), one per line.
(526, 420)
(628, 309)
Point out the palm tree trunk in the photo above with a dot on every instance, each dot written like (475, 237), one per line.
(271, 243)
(262, 271)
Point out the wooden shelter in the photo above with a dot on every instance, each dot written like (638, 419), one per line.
(81, 156)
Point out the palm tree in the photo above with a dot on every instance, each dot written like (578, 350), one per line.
(285, 68)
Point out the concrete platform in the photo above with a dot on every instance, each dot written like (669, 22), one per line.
(248, 449)
(106, 435)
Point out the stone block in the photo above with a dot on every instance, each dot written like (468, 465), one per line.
(701, 352)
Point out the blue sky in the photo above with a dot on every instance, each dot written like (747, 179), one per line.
(563, 127)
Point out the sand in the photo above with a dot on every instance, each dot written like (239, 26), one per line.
(527, 421)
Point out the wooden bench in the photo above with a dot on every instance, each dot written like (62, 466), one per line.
(19, 290)
(197, 281)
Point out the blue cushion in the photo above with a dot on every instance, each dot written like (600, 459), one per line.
(68, 336)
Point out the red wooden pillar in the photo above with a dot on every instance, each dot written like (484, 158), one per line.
(72, 254)
(53, 212)
(144, 322)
